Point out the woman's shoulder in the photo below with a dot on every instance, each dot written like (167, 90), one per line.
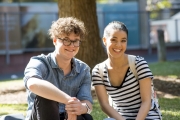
(100, 65)
(96, 67)
(140, 59)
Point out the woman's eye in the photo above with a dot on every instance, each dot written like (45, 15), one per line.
(123, 40)
(113, 40)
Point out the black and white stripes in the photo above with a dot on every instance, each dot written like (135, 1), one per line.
(126, 97)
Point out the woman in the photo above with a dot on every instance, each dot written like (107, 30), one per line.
(131, 97)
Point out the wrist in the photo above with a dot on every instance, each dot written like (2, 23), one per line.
(87, 108)
(68, 99)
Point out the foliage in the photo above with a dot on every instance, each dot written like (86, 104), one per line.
(10, 1)
(158, 4)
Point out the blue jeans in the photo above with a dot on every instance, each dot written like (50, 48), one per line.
(45, 109)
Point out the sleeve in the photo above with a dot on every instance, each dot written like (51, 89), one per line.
(85, 89)
(96, 77)
(143, 70)
(35, 68)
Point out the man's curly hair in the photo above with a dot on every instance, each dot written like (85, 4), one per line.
(67, 26)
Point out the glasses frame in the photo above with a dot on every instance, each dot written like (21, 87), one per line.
(70, 42)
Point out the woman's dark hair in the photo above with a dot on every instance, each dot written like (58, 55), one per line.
(115, 25)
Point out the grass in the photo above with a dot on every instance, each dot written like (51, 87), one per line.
(13, 109)
(170, 108)
(97, 112)
(7, 83)
(169, 68)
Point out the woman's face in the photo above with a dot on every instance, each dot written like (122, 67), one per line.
(116, 43)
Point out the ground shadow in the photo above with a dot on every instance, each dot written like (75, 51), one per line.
(170, 87)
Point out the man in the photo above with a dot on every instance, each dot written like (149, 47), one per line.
(59, 85)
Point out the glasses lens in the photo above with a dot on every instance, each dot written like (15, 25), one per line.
(77, 43)
(66, 42)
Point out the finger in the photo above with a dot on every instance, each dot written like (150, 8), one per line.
(72, 102)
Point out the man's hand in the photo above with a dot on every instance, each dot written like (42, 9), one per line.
(72, 116)
(74, 106)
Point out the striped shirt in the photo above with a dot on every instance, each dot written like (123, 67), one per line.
(126, 97)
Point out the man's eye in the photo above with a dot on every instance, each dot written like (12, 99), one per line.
(66, 40)
(76, 41)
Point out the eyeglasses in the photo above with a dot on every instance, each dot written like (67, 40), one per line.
(68, 42)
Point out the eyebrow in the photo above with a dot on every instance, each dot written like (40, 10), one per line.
(73, 40)
(116, 37)
(124, 38)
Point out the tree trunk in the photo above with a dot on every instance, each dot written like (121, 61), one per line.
(91, 50)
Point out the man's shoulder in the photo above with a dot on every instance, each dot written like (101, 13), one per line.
(41, 59)
(80, 64)
(41, 56)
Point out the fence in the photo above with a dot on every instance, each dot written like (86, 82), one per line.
(27, 31)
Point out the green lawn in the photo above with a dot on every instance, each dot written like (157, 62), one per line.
(8, 83)
(13, 108)
(170, 68)
(170, 108)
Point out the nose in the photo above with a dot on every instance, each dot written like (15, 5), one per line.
(71, 44)
(118, 43)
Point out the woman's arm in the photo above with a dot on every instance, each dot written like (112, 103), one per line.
(47, 90)
(104, 103)
(145, 92)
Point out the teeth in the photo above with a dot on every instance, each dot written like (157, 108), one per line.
(117, 50)
(70, 50)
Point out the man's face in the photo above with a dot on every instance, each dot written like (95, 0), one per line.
(67, 46)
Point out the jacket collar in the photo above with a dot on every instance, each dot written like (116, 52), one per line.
(74, 64)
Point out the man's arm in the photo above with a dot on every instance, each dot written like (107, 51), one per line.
(47, 90)
(82, 103)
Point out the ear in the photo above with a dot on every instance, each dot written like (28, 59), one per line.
(104, 41)
(54, 41)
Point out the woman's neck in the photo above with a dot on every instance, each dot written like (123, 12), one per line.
(117, 62)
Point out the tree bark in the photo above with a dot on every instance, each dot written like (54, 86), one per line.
(91, 50)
